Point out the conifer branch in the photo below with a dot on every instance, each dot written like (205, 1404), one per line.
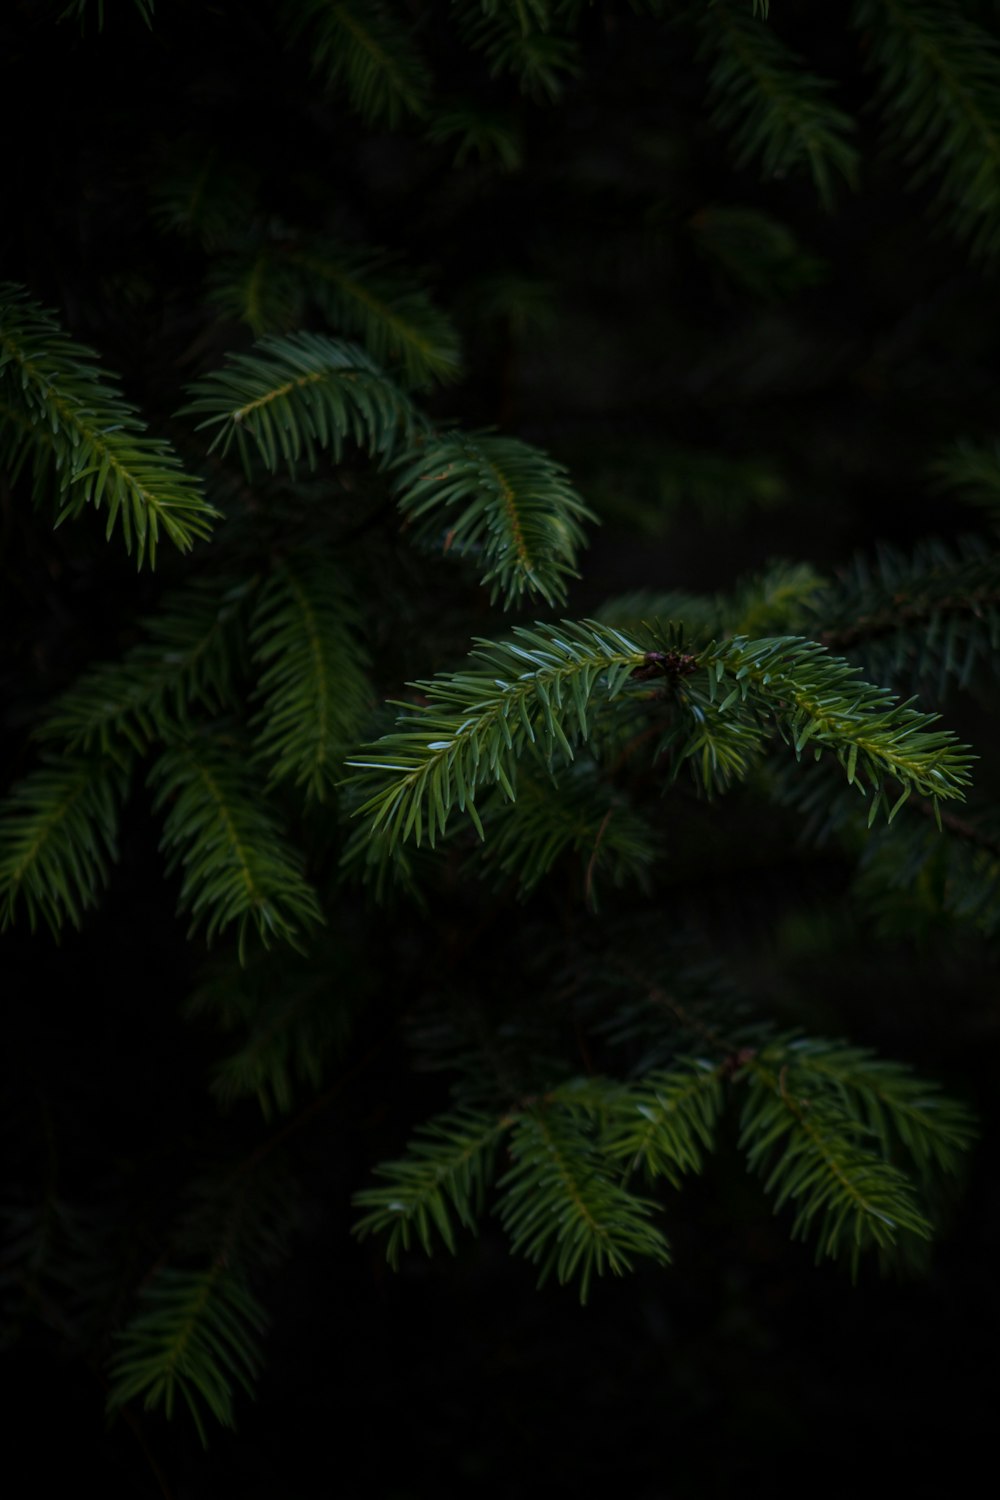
(442, 1180)
(886, 1097)
(479, 134)
(195, 1338)
(939, 87)
(298, 395)
(668, 1121)
(821, 1121)
(817, 700)
(933, 618)
(358, 292)
(581, 816)
(534, 695)
(519, 39)
(367, 49)
(313, 688)
(538, 695)
(502, 501)
(237, 868)
(563, 1209)
(58, 837)
(191, 658)
(777, 112)
(85, 444)
(917, 878)
(815, 1154)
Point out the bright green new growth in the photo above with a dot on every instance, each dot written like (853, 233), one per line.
(534, 695)
(542, 693)
(61, 416)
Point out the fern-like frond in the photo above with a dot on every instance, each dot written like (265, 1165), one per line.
(313, 689)
(194, 1339)
(191, 656)
(505, 503)
(296, 396)
(778, 113)
(666, 1120)
(826, 1162)
(441, 1182)
(237, 868)
(535, 694)
(58, 838)
(86, 445)
(939, 88)
(564, 1208)
(358, 292)
(365, 47)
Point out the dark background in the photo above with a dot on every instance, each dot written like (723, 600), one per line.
(712, 430)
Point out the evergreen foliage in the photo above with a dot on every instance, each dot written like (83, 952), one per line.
(193, 1339)
(60, 831)
(314, 695)
(819, 1121)
(514, 507)
(591, 869)
(297, 396)
(357, 291)
(84, 444)
(779, 115)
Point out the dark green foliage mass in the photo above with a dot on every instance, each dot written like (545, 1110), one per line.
(498, 507)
